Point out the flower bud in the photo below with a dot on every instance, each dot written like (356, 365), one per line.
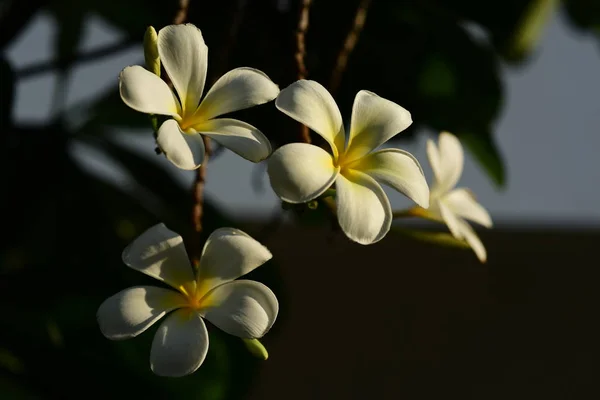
(151, 51)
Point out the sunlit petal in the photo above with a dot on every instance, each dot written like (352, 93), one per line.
(363, 209)
(446, 161)
(239, 137)
(159, 252)
(452, 220)
(374, 121)
(309, 103)
(473, 240)
(398, 169)
(300, 172)
(145, 92)
(228, 254)
(462, 203)
(243, 308)
(132, 311)
(238, 89)
(184, 56)
(180, 344)
(184, 150)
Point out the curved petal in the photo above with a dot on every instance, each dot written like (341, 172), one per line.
(180, 344)
(185, 150)
(300, 172)
(145, 92)
(228, 254)
(184, 56)
(159, 252)
(374, 121)
(473, 240)
(239, 137)
(132, 311)
(238, 89)
(243, 308)
(462, 203)
(363, 209)
(446, 161)
(398, 169)
(451, 220)
(309, 103)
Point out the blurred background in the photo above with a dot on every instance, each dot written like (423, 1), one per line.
(517, 81)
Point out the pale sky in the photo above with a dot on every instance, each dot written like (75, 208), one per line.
(548, 130)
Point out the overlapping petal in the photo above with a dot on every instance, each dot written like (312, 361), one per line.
(185, 150)
(238, 89)
(473, 240)
(145, 92)
(239, 137)
(462, 203)
(446, 161)
(184, 56)
(363, 209)
(398, 169)
(227, 255)
(243, 308)
(160, 253)
(301, 172)
(132, 311)
(309, 103)
(374, 121)
(180, 344)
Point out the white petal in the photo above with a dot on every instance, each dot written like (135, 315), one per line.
(180, 344)
(473, 240)
(159, 252)
(243, 308)
(446, 161)
(363, 209)
(185, 150)
(451, 219)
(132, 311)
(145, 92)
(184, 56)
(238, 89)
(462, 203)
(228, 254)
(300, 172)
(239, 137)
(309, 103)
(374, 121)
(398, 169)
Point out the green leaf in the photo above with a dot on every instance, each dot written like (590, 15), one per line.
(485, 151)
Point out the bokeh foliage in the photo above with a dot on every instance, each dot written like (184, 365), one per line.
(65, 228)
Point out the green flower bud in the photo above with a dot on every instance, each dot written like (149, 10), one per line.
(151, 51)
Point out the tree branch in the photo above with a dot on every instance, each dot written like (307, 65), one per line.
(349, 44)
(182, 12)
(300, 55)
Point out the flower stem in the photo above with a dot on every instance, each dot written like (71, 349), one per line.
(300, 55)
(416, 211)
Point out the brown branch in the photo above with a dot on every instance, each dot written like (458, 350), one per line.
(300, 55)
(198, 203)
(349, 44)
(182, 12)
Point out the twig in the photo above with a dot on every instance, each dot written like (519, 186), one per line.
(94, 55)
(300, 55)
(349, 44)
(198, 202)
(182, 12)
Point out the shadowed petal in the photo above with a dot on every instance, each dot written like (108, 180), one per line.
(300, 172)
(145, 92)
(185, 150)
(180, 344)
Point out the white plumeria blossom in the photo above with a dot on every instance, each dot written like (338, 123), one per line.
(454, 206)
(243, 308)
(184, 56)
(301, 172)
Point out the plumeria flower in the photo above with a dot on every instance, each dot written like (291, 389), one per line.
(183, 54)
(301, 172)
(454, 206)
(242, 308)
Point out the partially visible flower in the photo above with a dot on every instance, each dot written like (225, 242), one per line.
(184, 54)
(301, 172)
(454, 206)
(242, 308)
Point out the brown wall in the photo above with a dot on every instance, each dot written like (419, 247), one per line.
(406, 320)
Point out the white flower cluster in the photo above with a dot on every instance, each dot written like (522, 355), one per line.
(298, 173)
